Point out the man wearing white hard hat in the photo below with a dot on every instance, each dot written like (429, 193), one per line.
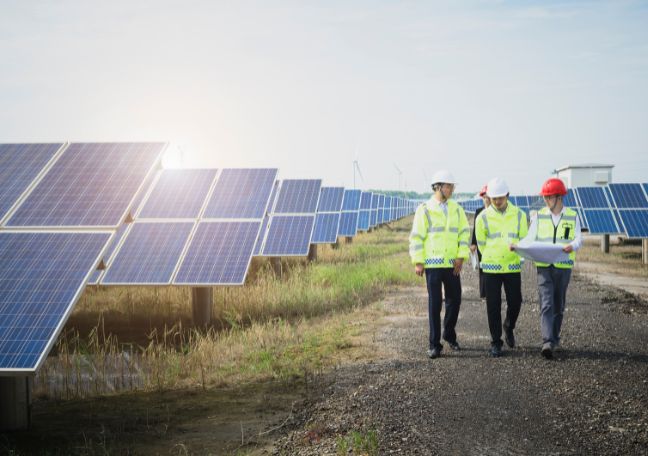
(497, 229)
(438, 247)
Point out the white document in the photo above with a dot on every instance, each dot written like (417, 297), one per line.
(543, 252)
(474, 260)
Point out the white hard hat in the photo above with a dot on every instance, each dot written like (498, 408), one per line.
(443, 176)
(497, 187)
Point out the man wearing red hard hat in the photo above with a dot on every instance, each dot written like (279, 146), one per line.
(554, 224)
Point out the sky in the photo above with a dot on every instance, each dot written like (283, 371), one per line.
(483, 88)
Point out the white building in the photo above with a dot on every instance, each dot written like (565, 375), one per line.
(585, 175)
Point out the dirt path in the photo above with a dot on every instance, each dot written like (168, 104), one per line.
(593, 399)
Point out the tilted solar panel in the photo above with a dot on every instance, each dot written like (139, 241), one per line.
(289, 235)
(348, 224)
(351, 200)
(20, 164)
(600, 221)
(326, 228)
(629, 196)
(90, 184)
(592, 197)
(363, 220)
(149, 254)
(219, 254)
(569, 199)
(178, 193)
(330, 199)
(108, 252)
(41, 276)
(365, 201)
(635, 222)
(242, 193)
(298, 196)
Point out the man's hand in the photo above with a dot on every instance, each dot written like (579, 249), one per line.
(419, 269)
(473, 247)
(512, 247)
(568, 248)
(458, 263)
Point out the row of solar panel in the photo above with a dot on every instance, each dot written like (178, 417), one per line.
(610, 209)
(61, 213)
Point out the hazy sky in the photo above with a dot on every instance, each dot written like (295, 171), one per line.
(484, 88)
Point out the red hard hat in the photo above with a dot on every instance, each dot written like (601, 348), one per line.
(553, 186)
(483, 191)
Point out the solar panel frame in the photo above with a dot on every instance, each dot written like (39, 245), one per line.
(66, 198)
(53, 316)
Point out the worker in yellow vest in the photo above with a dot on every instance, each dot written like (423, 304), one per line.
(438, 247)
(555, 224)
(497, 228)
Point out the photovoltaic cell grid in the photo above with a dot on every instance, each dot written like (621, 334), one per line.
(600, 221)
(629, 196)
(289, 235)
(635, 222)
(351, 200)
(326, 228)
(243, 193)
(363, 220)
(349, 224)
(365, 201)
(149, 254)
(330, 199)
(178, 193)
(592, 197)
(219, 254)
(381, 209)
(110, 249)
(262, 234)
(298, 196)
(41, 275)
(90, 184)
(20, 164)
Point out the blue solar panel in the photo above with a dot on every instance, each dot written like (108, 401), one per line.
(581, 217)
(365, 201)
(388, 205)
(363, 220)
(90, 184)
(219, 254)
(635, 222)
(348, 224)
(600, 221)
(241, 193)
(262, 234)
(351, 200)
(330, 199)
(373, 220)
(298, 196)
(381, 209)
(374, 200)
(289, 235)
(326, 228)
(110, 249)
(592, 197)
(20, 164)
(149, 254)
(178, 193)
(569, 199)
(41, 277)
(629, 196)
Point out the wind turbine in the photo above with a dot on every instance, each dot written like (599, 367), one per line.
(400, 173)
(356, 167)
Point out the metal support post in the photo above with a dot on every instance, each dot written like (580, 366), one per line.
(275, 262)
(605, 243)
(644, 251)
(202, 301)
(312, 253)
(15, 403)
(348, 240)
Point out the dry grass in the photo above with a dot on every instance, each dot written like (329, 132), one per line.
(623, 259)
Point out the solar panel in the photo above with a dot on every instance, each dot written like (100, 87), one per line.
(258, 246)
(363, 220)
(381, 209)
(569, 199)
(629, 196)
(388, 203)
(20, 164)
(178, 193)
(351, 200)
(326, 228)
(41, 276)
(110, 249)
(635, 222)
(219, 254)
(289, 235)
(330, 199)
(298, 196)
(348, 224)
(600, 221)
(592, 197)
(242, 193)
(365, 201)
(90, 184)
(149, 254)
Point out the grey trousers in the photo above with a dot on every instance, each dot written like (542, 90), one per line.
(552, 287)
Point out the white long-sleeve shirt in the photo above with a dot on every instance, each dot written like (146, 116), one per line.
(555, 218)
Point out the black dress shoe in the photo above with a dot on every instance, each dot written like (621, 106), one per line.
(454, 345)
(495, 352)
(509, 337)
(434, 352)
(547, 350)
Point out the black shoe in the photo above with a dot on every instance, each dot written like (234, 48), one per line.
(509, 337)
(454, 345)
(495, 351)
(434, 352)
(547, 350)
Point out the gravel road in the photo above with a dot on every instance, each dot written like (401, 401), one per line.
(591, 399)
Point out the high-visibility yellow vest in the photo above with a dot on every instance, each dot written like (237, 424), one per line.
(495, 231)
(563, 233)
(437, 240)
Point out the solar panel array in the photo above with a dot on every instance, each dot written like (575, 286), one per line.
(610, 209)
(67, 207)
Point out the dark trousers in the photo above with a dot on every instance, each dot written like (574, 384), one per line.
(482, 285)
(552, 287)
(513, 288)
(436, 278)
